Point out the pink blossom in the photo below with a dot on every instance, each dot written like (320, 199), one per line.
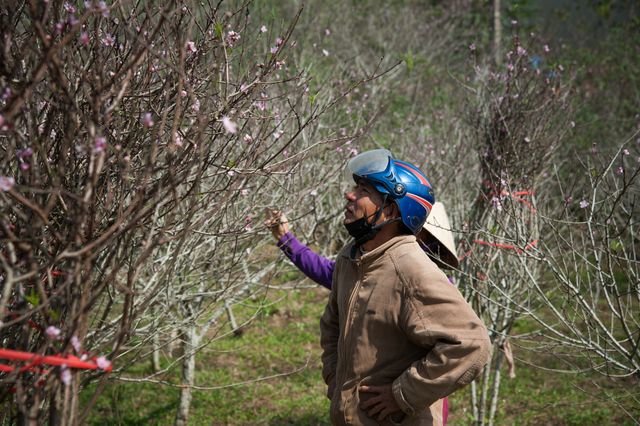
(625, 152)
(313, 193)
(263, 29)
(108, 40)
(327, 32)
(178, 140)
(75, 342)
(100, 144)
(546, 48)
(52, 332)
(248, 138)
(279, 41)
(274, 50)
(279, 64)
(231, 173)
(183, 93)
(229, 125)
(584, 204)
(244, 192)
(510, 67)
(25, 166)
(191, 47)
(620, 170)
(65, 375)
(6, 183)
(472, 47)
(196, 106)
(103, 363)
(147, 120)
(84, 38)
(24, 153)
(232, 37)
(261, 105)
(102, 7)
(243, 87)
(353, 152)
(496, 203)
(68, 7)
(6, 93)
(339, 149)
(325, 52)
(277, 134)
(520, 51)
(527, 139)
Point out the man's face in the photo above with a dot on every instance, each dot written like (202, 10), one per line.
(362, 201)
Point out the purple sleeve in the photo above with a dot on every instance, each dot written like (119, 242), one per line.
(314, 266)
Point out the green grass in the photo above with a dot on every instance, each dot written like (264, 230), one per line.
(284, 339)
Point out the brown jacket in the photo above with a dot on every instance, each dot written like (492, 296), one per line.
(393, 317)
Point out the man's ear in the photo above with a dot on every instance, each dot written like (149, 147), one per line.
(393, 213)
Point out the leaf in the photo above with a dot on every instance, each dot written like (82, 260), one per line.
(219, 29)
(616, 245)
(55, 315)
(32, 298)
(409, 60)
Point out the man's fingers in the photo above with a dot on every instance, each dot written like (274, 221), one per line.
(374, 389)
(384, 413)
(375, 410)
(370, 402)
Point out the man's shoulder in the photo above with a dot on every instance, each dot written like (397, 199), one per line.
(412, 263)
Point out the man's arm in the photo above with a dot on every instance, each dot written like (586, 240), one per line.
(436, 316)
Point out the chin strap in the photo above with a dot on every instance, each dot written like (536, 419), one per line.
(372, 230)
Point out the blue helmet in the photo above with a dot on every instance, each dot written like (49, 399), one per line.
(402, 182)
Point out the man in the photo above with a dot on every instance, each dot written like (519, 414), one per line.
(396, 337)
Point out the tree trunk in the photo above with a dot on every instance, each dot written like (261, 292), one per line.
(191, 340)
(497, 32)
(155, 356)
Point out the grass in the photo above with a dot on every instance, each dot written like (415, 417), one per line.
(283, 339)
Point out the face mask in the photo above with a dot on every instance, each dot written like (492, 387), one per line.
(361, 230)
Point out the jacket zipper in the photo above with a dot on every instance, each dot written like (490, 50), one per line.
(347, 323)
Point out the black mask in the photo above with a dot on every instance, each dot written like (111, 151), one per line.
(361, 230)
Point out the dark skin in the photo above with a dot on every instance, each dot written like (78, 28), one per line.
(381, 405)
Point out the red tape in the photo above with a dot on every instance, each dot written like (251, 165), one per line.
(70, 361)
(518, 250)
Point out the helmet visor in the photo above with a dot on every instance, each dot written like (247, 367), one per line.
(369, 162)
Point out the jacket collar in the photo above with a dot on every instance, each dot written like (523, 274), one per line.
(379, 251)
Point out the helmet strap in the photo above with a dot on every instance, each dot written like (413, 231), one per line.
(362, 230)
